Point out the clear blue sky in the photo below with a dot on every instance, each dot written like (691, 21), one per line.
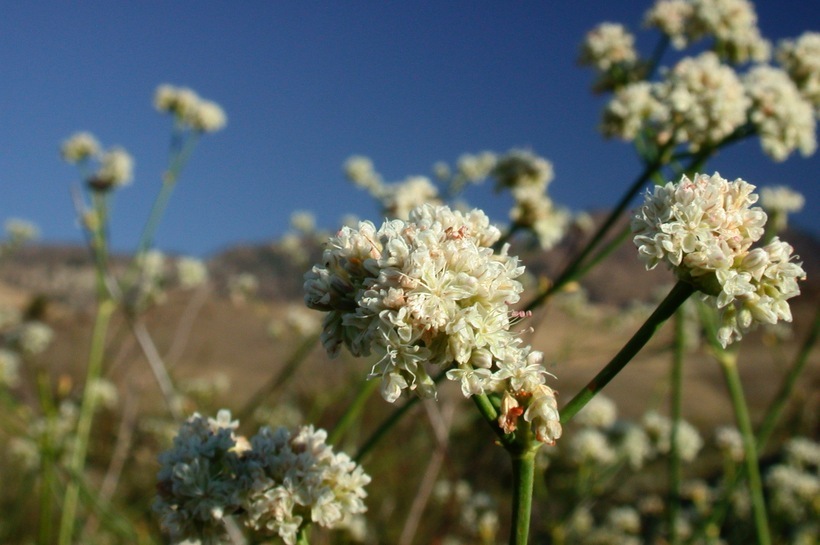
(307, 84)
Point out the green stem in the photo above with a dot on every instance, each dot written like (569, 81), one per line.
(47, 461)
(77, 462)
(302, 536)
(676, 400)
(523, 468)
(352, 412)
(280, 378)
(780, 401)
(728, 364)
(680, 292)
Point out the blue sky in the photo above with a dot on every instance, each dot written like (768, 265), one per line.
(307, 84)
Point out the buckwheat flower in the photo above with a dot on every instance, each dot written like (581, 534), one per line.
(600, 412)
(430, 292)
(208, 117)
(360, 171)
(179, 101)
(793, 491)
(590, 445)
(801, 59)
(242, 287)
(780, 201)
(633, 108)
(784, 120)
(634, 445)
(78, 147)
(803, 452)
(199, 480)
(20, 231)
(303, 221)
(9, 368)
(398, 199)
(730, 443)
(519, 168)
(673, 18)
(473, 168)
(659, 429)
(733, 24)
(298, 479)
(608, 45)
(706, 100)
(704, 229)
(34, 337)
(116, 170)
(191, 272)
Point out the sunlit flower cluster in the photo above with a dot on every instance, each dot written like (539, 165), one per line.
(431, 290)
(527, 176)
(794, 484)
(780, 201)
(607, 45)
(275, 483)
(704, 229)
(397, 199)
(631, 109)
(732, 24)
(297, 478)
(706, 100)
(801, 59)
(116, 166)
(784, 120)
(189, 109)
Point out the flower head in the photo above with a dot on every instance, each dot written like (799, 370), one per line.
(607, 45)
(430, 291)
(704, 230)
(79, 146)
(189, 109)
(801, 59)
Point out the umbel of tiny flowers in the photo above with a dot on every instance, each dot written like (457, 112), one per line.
(116, 166)
(704, 229)
(275, 484)
(189, 109)
(431, 292)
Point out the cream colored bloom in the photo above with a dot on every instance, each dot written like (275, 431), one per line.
(79, 146)
(784, 120)
(116, 168)
(608, 45)
(801, 59)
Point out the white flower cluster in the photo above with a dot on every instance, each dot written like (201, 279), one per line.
(431, 290)
(801, 59)
(189, 109)
(704, 229)
(298, 478)
(191, 272)
(276, 483)
(794, 484)
(706, 100)
(397, 199)
(784, 120)
(732, 23)
(19, 231)
(700, 101)
(116, 166)
(477, 512)
(659, 429)
(608, 45)
(527, 176)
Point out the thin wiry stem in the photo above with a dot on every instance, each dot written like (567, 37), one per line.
(679, 294)
(676, 402)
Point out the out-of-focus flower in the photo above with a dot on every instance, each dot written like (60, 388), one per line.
(801, 59)
(784, 120)
(431, 290)
(20, 231)
(590, 445)
(242, 287)
(731, 23)
(116, 170)
(360, 171)
(608, 45)
(600, 412)
(704, 229)
(303, 221)
(705, 99)
(659, 430)
(9, 368)
(191, 272)
(189, 109)
(298, 321)
(631, 109)
(780, 201)
(34, 337)
(79, 146)
(730, 443)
